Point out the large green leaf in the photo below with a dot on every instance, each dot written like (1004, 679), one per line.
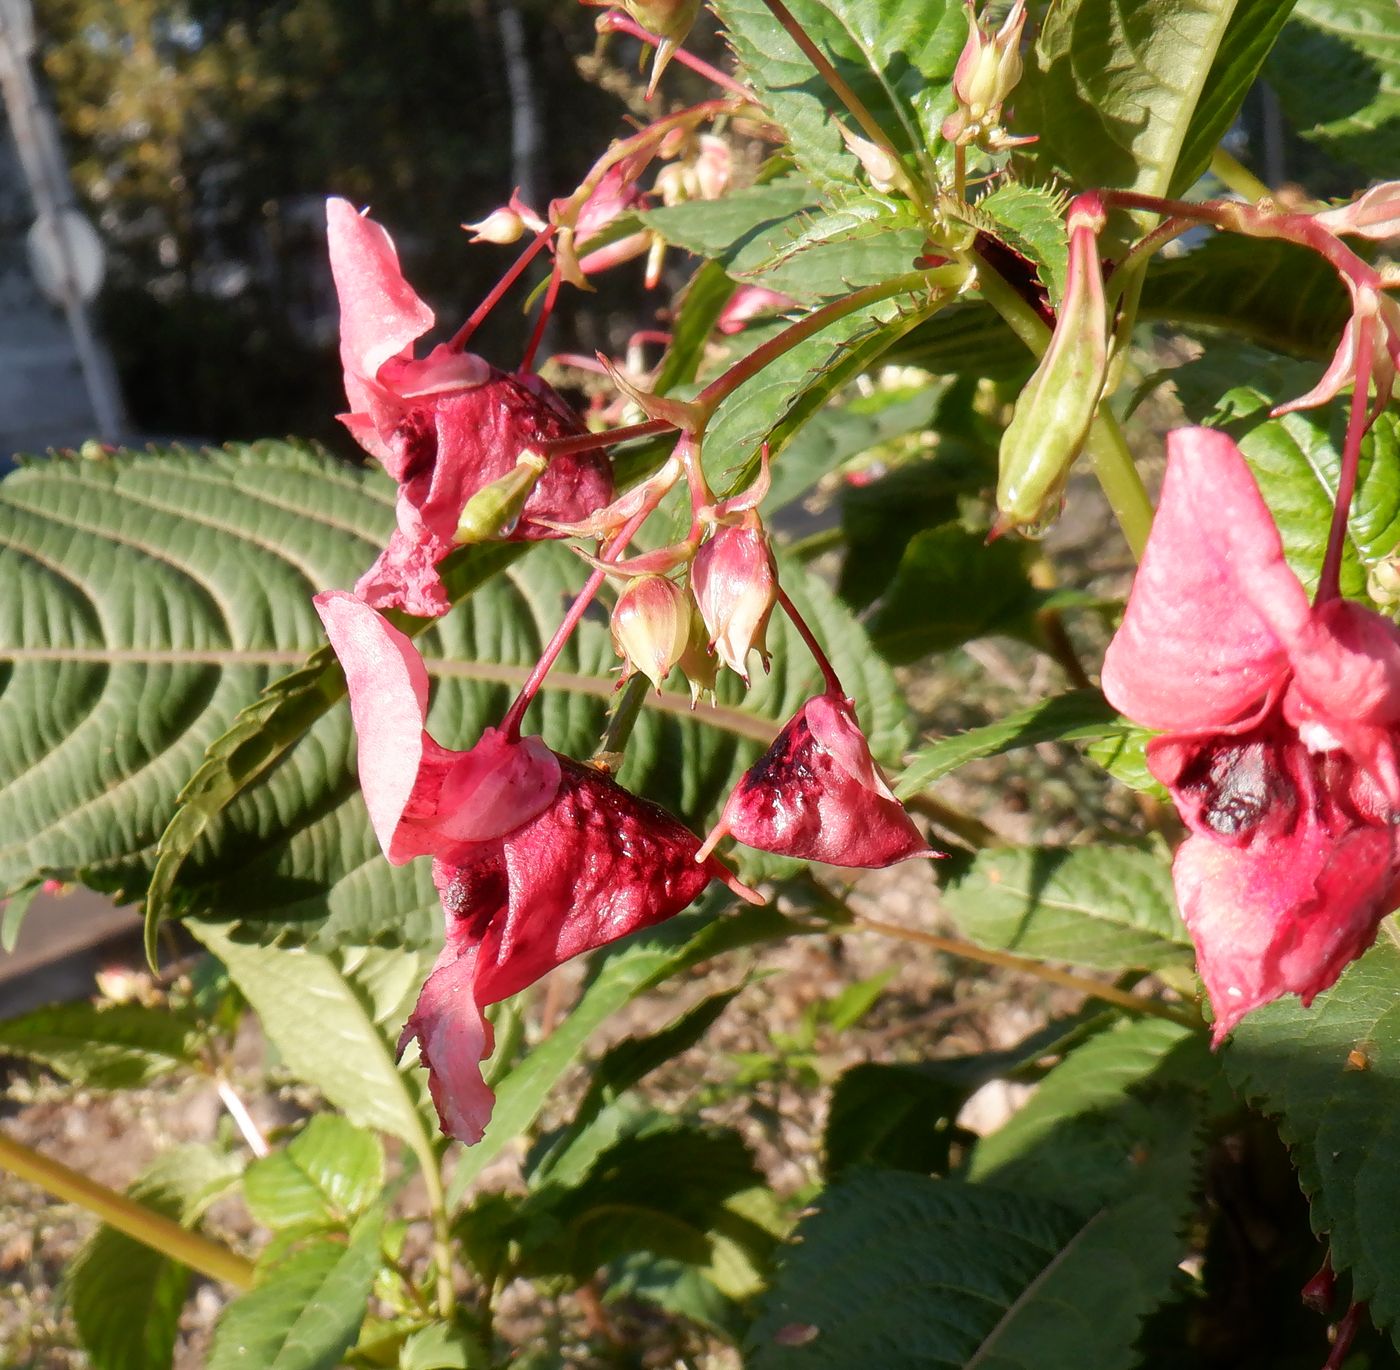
(1297, 458)
(906, 1273)
(1336, 70)
(126, 1297)
(897, 55)
(1104, 906)
(330, 1173)
(307, 1309)
(1330, 1073)
(1135, 97)
(153, 594)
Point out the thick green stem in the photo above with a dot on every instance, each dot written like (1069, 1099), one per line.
(1118, 476)
(1234, 175)
(126, 1215)
(442, 1232)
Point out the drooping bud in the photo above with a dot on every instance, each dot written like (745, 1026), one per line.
(496, 508)
(735, 589)
(713, 167)
(500, 226)
(651, 627)
(1057, 406)
(987, 72)
(668, 20)
(880, 165)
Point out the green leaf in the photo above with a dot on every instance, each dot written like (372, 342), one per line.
(950, 588)
(1123, 754)
(1103, 1121)
(895, 1116)
(322, 1021)
(697, 311)
(1297, 459)
(126, 1297)
(15, 906)
(329, 1174)
(1074, 717)
(1136, 97)
(441, 1347)
(1336, 71)
(897, 55)
(1030, 220)
(306, 1311)
(1338, 1112)
(902, 1272)
(1270, 292)
(121, 1046)
(676, 1288)
(639, 963)
(1102, 906)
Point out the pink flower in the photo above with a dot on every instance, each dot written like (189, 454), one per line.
(537, 858)
(443, 426)
(735, 589)
(750, 302)
(1280, 723)
(817, 794)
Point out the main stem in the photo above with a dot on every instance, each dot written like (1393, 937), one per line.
(126, 1215)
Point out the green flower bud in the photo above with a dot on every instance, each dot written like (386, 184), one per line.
(495, 508)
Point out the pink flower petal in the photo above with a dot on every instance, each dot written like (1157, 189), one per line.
(1346, 663)
(380, 313)
(1214, 605)
(424, 799)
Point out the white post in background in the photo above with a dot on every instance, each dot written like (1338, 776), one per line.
(65, 252)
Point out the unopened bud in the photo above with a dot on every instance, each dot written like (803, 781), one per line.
(699, 664)
(1057, 406)
(713, 167)
(989, 66)
(1375, 215)
(881, 166)
(651, 627)
(495, 509)
(500, 226)
(656, 259)
(735, 590)
(675, 184)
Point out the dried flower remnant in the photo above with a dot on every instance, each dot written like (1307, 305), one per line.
(1281, 722)
(443, 426)
(537, 857)
(817, 795)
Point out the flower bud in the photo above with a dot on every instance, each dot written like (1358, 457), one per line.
(651, 627)
(499, 226)
(495, 509)
(880, 165)
(735, 590)
(713, 167)
(1053, 414)
(698, 664)
(989, 67)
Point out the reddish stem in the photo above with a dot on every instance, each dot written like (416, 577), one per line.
(460, 337)
(1358, 421)
(620, 23)
(586, 442)
(515, 715)
(833, 681)
(1344, 1334)
(551, 294)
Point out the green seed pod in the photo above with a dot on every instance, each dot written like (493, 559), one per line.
(494, 510)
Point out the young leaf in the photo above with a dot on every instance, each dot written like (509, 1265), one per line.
(121, 1046)
(323, 1024)
(306, 1311)
(897, 55)
(1330, 1073)
(1109, 907)
(328, 1175)
(1074, 717)
(126, 1297)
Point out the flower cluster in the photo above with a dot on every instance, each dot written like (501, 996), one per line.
(539, 857)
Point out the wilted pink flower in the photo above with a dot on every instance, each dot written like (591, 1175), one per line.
(1281, 722)
(817, 794)
(443, 426)
(735, 590)
(537, 858)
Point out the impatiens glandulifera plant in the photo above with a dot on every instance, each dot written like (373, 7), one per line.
(910, 278)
